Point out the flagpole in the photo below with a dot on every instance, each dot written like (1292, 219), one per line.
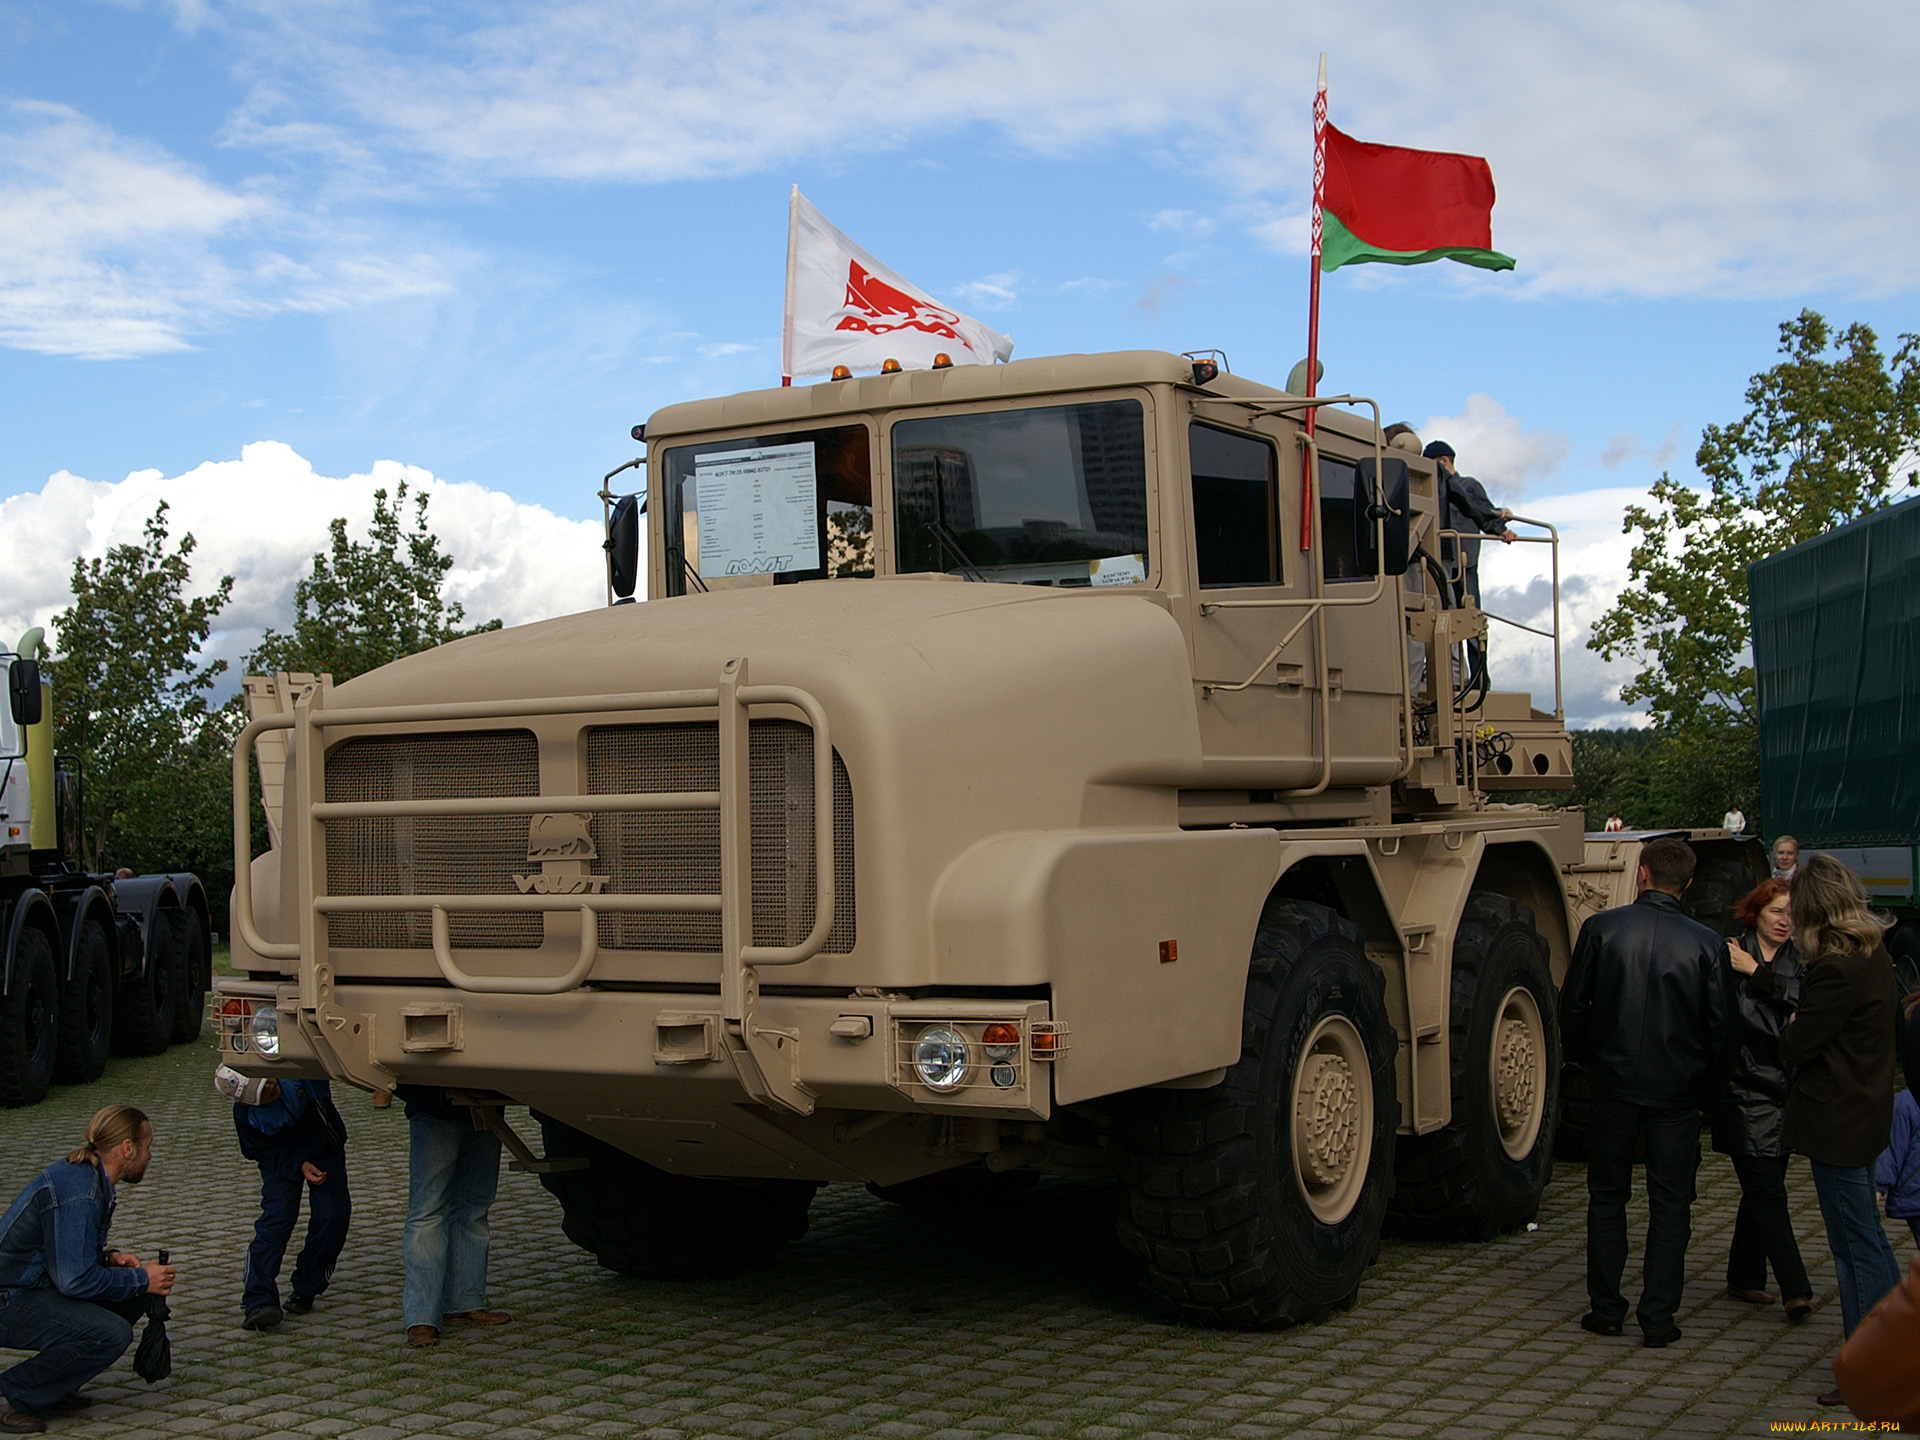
(1313, 295)
(786, 327)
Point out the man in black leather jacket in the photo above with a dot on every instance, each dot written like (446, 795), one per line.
(1644, 1010)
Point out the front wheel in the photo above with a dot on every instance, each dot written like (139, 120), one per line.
(1486, 1169)
(1259, 1202)
(29, 1021)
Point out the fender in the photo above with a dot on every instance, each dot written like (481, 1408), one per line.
(86, 905)
(32, 908)
(137, 898)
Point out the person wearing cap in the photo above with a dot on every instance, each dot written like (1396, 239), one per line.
(293, 1132)
(1470, 510)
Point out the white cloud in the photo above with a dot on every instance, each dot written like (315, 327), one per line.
(112, 248)
(720, 349)
(989, 292)
(1654, 147)
(262, 517)
(1495, 447)
(1625, 447)
(1515, 582)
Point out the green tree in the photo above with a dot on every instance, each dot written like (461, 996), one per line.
(130, 697)
(1825, 435)
(369, 602)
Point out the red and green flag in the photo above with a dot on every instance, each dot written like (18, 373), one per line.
(1405, 207)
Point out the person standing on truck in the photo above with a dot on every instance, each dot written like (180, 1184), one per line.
(1469, 509)
(292, 1131)
(1749, 1119)
(1841, 1044)
(63, 1292)
(453, 1170)
(1644, 1010)
(1735, 820)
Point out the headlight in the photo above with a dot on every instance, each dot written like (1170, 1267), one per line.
(940, 1058)
(266, 1032)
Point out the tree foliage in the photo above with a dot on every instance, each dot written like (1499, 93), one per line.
(1659, 779)
(1830, 433)
(131, 695)
(369, 602)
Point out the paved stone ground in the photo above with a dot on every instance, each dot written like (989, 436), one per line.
(886, 1323)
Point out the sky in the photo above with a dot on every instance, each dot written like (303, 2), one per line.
(258, 257)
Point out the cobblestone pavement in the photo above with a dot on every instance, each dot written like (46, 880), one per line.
(886, 1323)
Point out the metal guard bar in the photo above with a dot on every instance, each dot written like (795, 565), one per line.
(439, 907)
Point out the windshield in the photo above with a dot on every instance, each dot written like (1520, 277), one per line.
(770, 509)
(1055, 495)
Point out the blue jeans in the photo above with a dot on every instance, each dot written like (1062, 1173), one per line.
(329, 1210)
(452, 1172)
(77, 1339)
(1862, 1258)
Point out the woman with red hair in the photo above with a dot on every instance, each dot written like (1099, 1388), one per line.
(1749, 1119)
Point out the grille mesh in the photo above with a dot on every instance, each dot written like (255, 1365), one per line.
(428, 856)
(679, 853)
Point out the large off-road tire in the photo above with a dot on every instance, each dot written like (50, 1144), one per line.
(1485, 1170)
(86, 1008)
(643, 1221)
(1258, 1202)
(144, 1005)
(192, 957)
(29, 1021)
(1718, 888)
(966, 1188)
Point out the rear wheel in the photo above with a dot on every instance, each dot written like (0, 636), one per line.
(1485, 1170)
(1258, 1202)
(191, 965)
(144, 1005)
(29, 1021)
(86, 1008)
(643, 1221)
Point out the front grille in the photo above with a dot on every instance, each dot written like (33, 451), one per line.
(679, 852)
(429, 856)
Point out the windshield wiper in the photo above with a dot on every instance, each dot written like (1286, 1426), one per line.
(950, 543)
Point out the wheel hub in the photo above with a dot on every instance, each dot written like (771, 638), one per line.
(1326, 1122)
(1518, 1065)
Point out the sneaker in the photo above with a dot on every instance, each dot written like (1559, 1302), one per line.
(265, 1318)
(477, 1317)
(1594, 1325)
(300, 1305)
(18, 1422)
(419, 1337)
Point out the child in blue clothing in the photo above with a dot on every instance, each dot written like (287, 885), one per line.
(299, 1141)
(1896, 1175)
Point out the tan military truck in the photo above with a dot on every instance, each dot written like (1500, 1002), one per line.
(1076, 765)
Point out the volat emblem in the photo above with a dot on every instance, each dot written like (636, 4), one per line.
(560, 837)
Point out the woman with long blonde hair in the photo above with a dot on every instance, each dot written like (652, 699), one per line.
(1841, 1043)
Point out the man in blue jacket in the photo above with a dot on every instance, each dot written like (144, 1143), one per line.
(63, 1292)
(299, 1141)
(1645, 1013)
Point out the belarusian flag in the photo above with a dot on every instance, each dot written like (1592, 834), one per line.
(1405, 207)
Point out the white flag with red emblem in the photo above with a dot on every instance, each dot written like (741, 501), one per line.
(845, 308)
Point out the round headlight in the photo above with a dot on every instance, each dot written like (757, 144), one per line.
(940, 1058)
(266, 1032)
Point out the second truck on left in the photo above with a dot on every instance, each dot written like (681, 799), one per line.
(92, 963)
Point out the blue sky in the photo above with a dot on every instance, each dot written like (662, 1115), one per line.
(483, 240)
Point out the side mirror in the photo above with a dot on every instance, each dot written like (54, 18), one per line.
(623, 545)
(1381, 496)
(23, 691)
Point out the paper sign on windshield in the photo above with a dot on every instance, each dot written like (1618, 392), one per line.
(1118, 570)
(759, 511)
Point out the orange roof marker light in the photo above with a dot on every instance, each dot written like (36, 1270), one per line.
(841, 372)
(889, 367)
(943, 361)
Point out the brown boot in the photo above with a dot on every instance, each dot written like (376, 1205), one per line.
(18, 1422)
(421, 1336)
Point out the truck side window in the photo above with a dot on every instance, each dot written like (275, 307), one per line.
(1235, 507)
(1339, 548)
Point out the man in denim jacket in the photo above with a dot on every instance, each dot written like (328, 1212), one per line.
(63, 1292)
